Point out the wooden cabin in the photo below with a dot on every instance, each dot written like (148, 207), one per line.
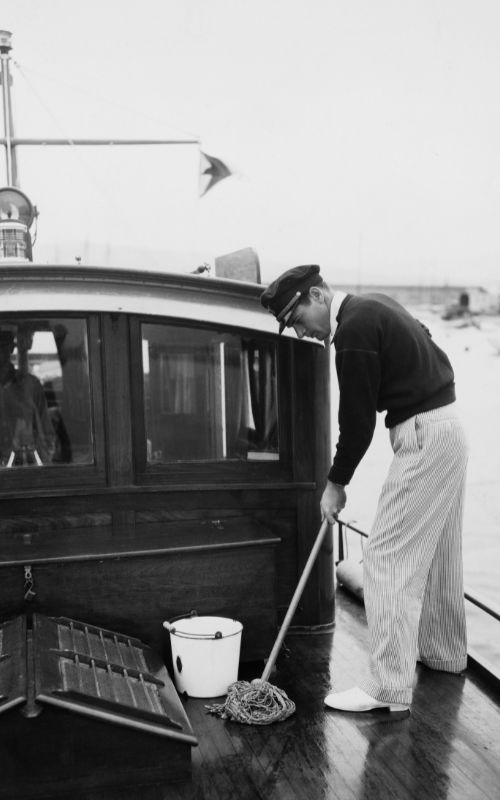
(159, 455)
(174, 462)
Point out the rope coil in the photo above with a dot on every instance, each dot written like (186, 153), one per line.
(255, 703)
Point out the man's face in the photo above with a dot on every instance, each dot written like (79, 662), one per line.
(6, 349)
(311, 317)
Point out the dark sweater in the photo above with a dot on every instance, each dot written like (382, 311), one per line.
(385, 361)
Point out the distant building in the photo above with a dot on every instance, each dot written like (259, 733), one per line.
(479, 299)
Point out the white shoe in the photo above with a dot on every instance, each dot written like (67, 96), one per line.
(357, 700)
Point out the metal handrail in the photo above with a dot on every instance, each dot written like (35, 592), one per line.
(492, 610)
(484, 605)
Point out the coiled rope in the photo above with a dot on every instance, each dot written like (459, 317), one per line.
(255, 703)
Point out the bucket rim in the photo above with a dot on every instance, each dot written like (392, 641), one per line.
(185, 634)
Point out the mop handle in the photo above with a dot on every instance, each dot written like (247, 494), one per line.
(295, 600)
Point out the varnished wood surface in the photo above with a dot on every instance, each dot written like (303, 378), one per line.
(448, 748)
(87, 544)
(134, 596)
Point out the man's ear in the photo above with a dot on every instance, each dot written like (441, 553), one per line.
(316, 294)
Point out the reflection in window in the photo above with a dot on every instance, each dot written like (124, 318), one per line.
(208, 395)
(44, 393)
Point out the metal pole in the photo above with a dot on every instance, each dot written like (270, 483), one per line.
(5, 48)
(6, 116)
(295, 600)
(15, 140)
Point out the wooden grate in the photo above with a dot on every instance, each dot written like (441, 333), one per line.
(105, 674)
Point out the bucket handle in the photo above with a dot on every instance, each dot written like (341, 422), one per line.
(200, 636)
(168, 623)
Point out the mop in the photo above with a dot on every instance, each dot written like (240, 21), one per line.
(259, 702)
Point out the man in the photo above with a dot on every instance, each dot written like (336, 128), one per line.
(26, 431)
(412, 567)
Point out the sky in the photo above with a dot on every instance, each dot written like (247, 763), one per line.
(363, 135)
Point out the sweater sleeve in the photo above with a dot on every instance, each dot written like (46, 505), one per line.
(358, 372)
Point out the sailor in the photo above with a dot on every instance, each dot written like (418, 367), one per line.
(26, 431)
(387, 361)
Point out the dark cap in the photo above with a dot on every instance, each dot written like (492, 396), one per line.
(283, 294)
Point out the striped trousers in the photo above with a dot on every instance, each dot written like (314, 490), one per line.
(412, 562)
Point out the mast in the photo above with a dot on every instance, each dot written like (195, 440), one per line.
(10, 151)
(16, 210)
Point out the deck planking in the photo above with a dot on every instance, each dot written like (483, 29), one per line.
(448, 747)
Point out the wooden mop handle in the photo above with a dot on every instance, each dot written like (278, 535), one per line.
(295, 600)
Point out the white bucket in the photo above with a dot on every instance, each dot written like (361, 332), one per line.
(205, 654)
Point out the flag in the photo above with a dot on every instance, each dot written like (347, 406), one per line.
(213, 173)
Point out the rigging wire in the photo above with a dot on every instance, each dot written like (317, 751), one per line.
(89, 176)
(37, 95)
(101, 188)
(105, 100)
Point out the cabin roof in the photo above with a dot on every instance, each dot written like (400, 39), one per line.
(68, 288)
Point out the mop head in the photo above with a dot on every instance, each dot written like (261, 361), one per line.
(255, 703)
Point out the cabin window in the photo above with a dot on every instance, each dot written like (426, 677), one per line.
(45, 416)
(208, 395)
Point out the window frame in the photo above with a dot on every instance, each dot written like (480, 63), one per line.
(214, 470)
(68, 475)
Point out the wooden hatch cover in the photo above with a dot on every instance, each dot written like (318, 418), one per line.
(13, 680)
(91, 671)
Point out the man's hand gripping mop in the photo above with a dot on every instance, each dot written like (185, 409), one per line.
(259, 702)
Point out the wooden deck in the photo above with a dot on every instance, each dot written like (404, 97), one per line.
(448, 747)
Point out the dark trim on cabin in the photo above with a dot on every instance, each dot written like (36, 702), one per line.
(130, 489)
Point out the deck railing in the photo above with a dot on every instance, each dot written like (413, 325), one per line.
(486, 606)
